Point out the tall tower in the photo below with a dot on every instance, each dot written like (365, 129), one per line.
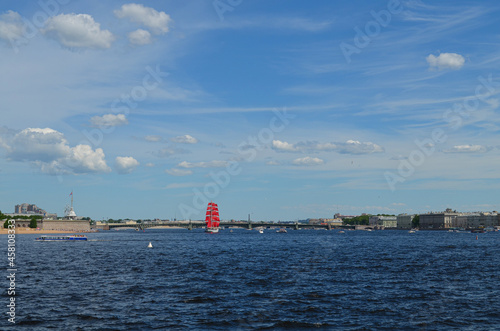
(70, 212)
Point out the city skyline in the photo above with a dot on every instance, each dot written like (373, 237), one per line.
(282, 110)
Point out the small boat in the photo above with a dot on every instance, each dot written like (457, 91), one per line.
(341, 231)
(150, 245)
(62, 238)
(261, 230)
(411, 231)
(212, 218)
(282, 230)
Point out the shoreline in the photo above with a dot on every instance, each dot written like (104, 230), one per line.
(34, 231)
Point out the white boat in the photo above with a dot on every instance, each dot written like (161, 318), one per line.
(62, 238)
(261, 230)
(150, 245)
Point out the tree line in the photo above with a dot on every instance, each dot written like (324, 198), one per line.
(33, 219)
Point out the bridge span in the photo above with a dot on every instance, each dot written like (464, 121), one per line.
(245, 225)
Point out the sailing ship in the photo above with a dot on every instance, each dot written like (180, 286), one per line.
(212, 218)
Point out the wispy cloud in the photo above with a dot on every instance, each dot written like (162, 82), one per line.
(348, 147)
(468, 149)
(308, 161)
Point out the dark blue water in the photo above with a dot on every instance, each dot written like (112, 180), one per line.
(243, 280)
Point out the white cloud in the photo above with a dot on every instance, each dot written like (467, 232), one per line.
(446, 61)
(11, 26)
(49, 150)
(140, 37)
(32, 144)
(153, 138)
(185, 139)
(125, 164)
(83, 159)
(150, 165)
(109, 120)
(157, 21)
(467, 149)
(272, 163)
(349, 147)
(284, 146)
(178, 172)
(356, 147)
(78, 31)
(308, 161)
(211, 164)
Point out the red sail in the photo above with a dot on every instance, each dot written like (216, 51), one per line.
(212, 217)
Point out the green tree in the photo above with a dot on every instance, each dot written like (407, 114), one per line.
(33, 223)
(416, 221)
(358, 220)
(6, 224)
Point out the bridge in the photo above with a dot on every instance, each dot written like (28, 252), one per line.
(245, 225)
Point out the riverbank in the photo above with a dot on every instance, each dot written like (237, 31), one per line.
(34, 231)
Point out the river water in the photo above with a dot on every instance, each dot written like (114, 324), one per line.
(243, 280)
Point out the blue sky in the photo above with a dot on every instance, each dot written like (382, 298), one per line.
(279, 109)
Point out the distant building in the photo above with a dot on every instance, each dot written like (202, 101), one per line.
(338, 215)
(444, 220)
(477, 220)
(383, 221)
(404, 221)
(26, 209)
(333, 221)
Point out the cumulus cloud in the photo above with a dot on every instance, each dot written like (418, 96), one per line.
(185, 139)
(11, 26)
(49, 150)
(284, 146)
(125, 164)
(178, 172)
(77, 31)
(349, 147)
(307, 161)
(446, 61)
(468, 149)
(32, 144)
(210, 164)
(140, 37)
(83, 159)
(109, 120)
(157, 21)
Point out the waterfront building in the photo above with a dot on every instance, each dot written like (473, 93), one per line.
(404, 221)
(383, 221)
(444, 220)
(333, 221)
(477, 220)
